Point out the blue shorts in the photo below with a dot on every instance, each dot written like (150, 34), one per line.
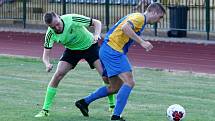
(113, 62)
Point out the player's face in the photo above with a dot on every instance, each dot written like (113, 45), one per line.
(159, 17)
(156, 17)
(57, 25)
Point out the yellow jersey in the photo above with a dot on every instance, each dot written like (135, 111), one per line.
(117, 39)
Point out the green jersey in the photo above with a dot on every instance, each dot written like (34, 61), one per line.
(75, 36)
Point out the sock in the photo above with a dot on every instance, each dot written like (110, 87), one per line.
(111, 100)
(122, 97)
(99, 93)
(50, 94)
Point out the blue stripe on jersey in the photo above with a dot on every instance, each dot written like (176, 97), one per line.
(127, 45)
(139, 32)
(113, 28)
(132, 25)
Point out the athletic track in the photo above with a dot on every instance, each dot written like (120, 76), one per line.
(165, 55)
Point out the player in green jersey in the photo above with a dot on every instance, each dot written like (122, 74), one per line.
(70, 31)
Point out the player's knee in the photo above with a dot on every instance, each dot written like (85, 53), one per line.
(131, 83)
(59, 75)
(105, 79)
(113, 90)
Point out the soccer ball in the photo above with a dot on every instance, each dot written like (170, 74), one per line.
(175, 112)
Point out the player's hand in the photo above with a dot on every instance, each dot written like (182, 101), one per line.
(49, 67)
(147, 45)
(96, 38)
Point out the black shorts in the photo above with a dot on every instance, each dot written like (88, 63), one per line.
(74, 56)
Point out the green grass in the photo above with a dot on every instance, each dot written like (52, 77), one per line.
(23, 83)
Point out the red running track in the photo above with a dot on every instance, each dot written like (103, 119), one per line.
(165, 55)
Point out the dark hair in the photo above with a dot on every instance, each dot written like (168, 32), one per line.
(48, 17)
(156, 6)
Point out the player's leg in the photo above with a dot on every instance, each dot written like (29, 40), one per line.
(115, 84)
(67, 62)
(124, 72)
(82, 104)
(97, 94)
(123, 94)
(62, 68)
(111, 97)
(103, 91)
(93, 59)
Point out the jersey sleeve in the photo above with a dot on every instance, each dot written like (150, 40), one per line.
(136, 21)
(49, 39)
(80, 20)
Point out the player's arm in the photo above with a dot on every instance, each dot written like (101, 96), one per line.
(46, 59)
(127, 29)
(97, 26)
(49, 41)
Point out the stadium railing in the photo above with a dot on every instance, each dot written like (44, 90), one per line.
(201, 14)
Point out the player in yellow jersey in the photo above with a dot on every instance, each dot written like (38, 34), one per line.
(115, 62)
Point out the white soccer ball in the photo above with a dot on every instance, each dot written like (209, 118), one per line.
(175, 112)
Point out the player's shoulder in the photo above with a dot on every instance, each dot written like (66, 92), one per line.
(71, 16)
(137, 16)
(50, 34)
(66, 16)
(50, 31)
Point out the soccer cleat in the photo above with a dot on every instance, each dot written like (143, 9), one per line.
(117, 118)
(83, 106)
(111, 108)
(42, 113)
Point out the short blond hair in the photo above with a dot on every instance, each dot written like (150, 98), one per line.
(157, 7)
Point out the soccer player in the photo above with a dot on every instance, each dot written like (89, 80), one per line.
(113, 56)
(70, 30)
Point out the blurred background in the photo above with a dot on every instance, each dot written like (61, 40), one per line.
(179, 69)
(184, 18)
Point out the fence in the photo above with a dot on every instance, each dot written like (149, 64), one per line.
(201, 14)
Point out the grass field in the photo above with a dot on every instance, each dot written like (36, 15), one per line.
(23, 82)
